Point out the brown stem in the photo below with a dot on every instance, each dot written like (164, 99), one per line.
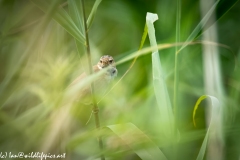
(95, 106)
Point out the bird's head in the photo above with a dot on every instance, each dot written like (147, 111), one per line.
(108, 61)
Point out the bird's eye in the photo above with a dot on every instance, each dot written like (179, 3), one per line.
(100, 61)
(110, 60)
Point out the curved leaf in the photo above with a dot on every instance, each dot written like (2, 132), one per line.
(133, 137)
(213, 122)
(196, 107)
(160, 88)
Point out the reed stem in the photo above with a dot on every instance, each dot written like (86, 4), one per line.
(95, 106)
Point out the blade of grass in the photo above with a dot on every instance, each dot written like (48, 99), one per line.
(141, 144)
(176, 75)
(176, 68)
(212, 79)
(200, 25)
(222, 8)
(75, 11)
(148, 50)
(213, 122)
(62, 17)
(93, 13)
(160, 88)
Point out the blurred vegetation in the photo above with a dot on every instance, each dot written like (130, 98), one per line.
(39, 59)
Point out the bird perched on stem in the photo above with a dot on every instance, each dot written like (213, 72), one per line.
(101, 84)
(62, 122)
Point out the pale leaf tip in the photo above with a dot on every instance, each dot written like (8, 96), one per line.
(152, 17)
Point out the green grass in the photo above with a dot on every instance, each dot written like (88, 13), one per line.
(152, 109)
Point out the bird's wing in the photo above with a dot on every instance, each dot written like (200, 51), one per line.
(78, 79)
(83, 75)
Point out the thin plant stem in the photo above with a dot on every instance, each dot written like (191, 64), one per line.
(176, 75)
(95, 105)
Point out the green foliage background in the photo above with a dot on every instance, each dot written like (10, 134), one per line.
(39, 59)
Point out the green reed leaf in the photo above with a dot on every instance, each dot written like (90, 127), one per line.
(160, 88)
(76, 13)
(134, 137)
(93, 13)
(213, 122)
(200, 25)
(63, 18)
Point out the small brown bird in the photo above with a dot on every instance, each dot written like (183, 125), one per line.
(100, 84)
(62, 124)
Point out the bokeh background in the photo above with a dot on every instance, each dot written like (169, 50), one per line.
(39, 59)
